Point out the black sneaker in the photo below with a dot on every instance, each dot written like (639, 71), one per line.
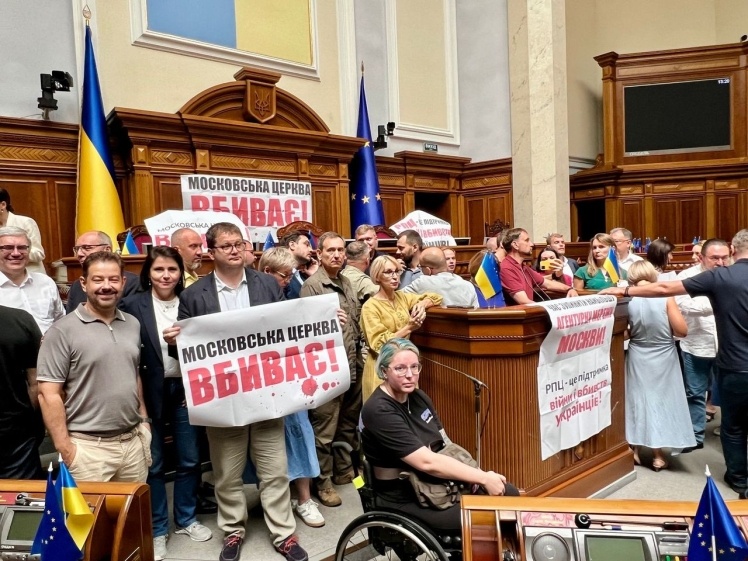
(232, 545)
(737, 488)
(689, 449)
(291, 550)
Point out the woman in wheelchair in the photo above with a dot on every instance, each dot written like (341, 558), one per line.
(402, 431)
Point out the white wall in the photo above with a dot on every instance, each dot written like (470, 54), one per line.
(35, 38)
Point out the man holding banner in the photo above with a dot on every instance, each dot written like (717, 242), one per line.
(231, 286)
(337, 419)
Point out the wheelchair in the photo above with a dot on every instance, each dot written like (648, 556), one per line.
(387, 534)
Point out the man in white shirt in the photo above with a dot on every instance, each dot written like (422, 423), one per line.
(622, 239)
(437, 278)
(699, 348)
(34, 292)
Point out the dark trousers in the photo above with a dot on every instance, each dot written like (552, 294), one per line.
(20, 455)
(733, 391)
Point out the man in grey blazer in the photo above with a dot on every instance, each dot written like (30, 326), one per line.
(231, 286)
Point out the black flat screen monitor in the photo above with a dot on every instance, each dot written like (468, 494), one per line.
(677, 117)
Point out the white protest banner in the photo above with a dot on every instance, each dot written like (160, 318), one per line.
(433, 230)
(263, 205)
(574, 377)
(292, 358)
(162, 226)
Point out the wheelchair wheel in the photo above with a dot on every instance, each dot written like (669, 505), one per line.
(389, 536)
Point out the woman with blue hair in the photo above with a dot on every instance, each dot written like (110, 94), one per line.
(402, 432)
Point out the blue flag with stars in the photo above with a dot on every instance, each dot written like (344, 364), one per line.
(53, 540)
(366, 203)
(714, 529)
(269, 242)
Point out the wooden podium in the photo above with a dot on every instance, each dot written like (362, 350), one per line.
(122, 529)
(501, 348)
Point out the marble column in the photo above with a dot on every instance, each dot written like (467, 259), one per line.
(540, 140)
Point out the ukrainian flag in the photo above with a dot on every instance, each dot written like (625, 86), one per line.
(487, 277)
(78, 516)
(98, 202)
(130, 247)
(611, 266)
(53, 541)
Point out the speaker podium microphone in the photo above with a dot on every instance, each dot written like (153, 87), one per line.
(477, 387)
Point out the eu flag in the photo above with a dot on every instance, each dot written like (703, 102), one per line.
(715, 530)
(98, 206)
(53, 540)
(268, 242)
(487, 277)
(366, 203)
(611, 266)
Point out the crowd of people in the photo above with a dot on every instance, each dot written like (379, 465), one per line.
(107, 382)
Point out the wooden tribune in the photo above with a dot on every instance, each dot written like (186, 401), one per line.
(122, 529)
(501, 348)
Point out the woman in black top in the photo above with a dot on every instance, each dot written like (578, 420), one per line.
(401, 431)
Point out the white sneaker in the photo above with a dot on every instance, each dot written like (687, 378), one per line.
(159, 548)
(310, 514)
(196, 531)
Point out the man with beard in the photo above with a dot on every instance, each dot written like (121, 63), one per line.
(409, 247)
(189, 244)
(90, 390)
(337, 419)
(298, 244)
(85, 245)
(519, 281)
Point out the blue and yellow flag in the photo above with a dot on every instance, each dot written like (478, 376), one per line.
(714, 529)
(130, 247)
(487, 277)
(366, 203)
(53, 540)
(611, 266)
(98, 202)
(78, 516)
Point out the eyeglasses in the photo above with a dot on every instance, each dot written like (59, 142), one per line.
(77, 248)
(12, 248)
(283, 275)
(621, 241)
(401, 370)
(395, 273)
(239, 246)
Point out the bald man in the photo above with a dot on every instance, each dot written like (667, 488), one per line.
(456, 291)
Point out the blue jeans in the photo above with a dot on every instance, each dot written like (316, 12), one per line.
(696, 372)
(733, 391)
(187, 455)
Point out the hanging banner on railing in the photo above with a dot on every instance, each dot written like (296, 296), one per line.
(574, 377)
(263, 205)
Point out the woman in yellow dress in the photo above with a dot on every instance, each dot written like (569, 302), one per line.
(389, 313)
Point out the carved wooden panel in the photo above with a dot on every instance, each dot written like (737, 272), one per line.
(691, 221)
(324, 209)
(393, 204)
(228, 162)
(168, 191)
(476, 218)
(65, 201)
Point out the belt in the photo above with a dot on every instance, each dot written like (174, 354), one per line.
(386, 474)
(124, 437)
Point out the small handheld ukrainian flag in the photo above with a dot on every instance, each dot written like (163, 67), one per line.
(78, 516)
(487, 277)
(611, 266)
(130, 247)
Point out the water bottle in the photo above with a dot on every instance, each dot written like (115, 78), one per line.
(646, 244)
(695, 240)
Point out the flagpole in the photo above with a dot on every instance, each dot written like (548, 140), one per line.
(711, 521)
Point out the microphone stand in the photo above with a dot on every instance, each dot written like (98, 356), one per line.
(477, 389)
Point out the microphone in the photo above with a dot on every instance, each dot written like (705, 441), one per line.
(474, 380)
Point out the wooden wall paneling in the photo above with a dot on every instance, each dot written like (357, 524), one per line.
(31, 197)
(691, 219)
(324, 208)
(65, 196)
(476, 219)
(667, 219)
(726, 215)
(632, 216)
(393, 204)
(168, 190)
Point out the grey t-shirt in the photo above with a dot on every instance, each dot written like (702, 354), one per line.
(98, 365)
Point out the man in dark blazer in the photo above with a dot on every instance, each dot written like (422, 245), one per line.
(298, 244)
(231, 286)
(85, 245)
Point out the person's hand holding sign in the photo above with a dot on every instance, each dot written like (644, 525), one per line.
(342, 316)
(170, 334)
